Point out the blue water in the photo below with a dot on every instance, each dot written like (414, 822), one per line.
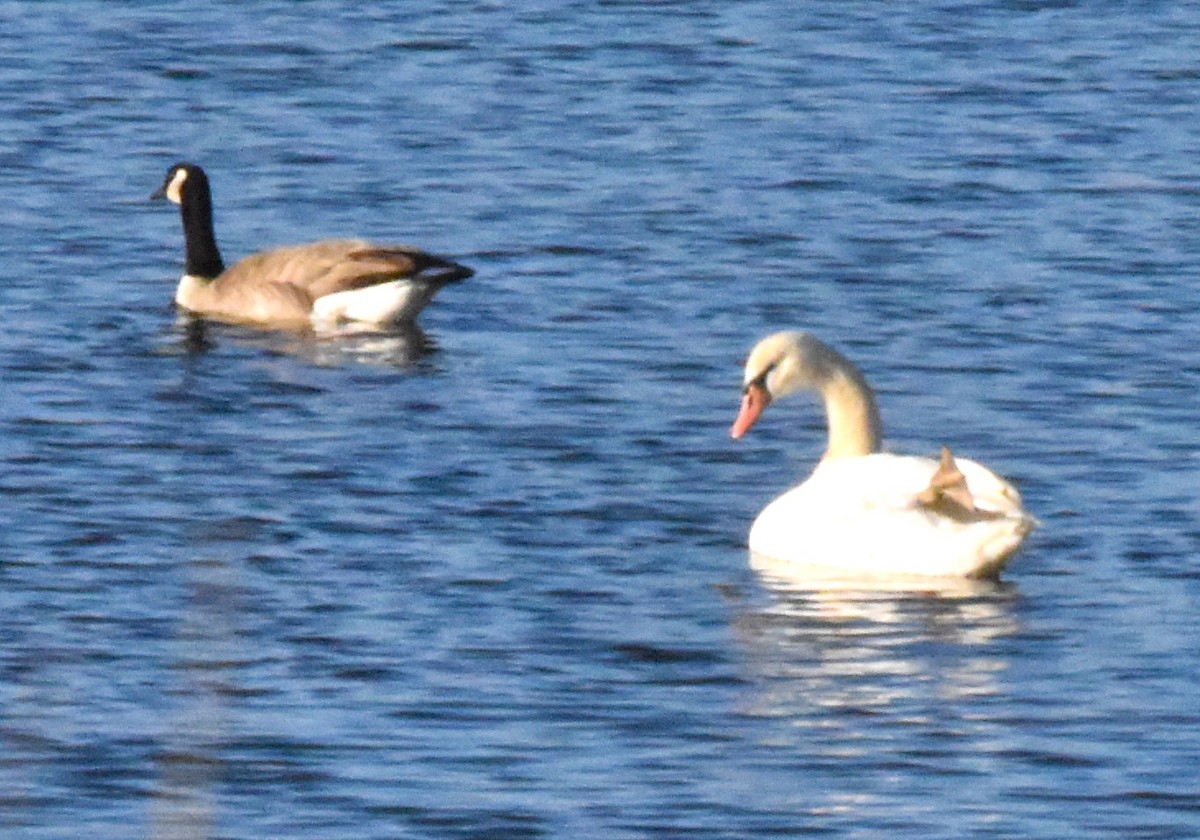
(257, 586)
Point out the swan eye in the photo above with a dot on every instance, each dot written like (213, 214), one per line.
(760, 381)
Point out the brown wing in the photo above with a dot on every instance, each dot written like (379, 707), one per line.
(296, 265)
(337, 265)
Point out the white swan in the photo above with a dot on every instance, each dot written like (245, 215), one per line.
(862, 511)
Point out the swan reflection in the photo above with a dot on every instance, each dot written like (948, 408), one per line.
(824, 646)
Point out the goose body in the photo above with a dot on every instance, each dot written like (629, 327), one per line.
(323, 284)
(863, 511)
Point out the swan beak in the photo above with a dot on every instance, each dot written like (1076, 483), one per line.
(754, 401)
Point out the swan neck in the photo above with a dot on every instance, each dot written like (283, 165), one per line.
(852, 414)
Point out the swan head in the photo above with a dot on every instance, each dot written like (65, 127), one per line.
(778, 365)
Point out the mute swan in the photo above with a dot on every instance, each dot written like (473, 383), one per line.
(863, 511)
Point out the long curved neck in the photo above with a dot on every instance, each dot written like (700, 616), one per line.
(853, 417)
(202, 258)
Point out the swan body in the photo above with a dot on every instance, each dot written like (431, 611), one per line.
(863, 511)
(324, 284)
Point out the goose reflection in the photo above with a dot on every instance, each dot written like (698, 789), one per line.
(399, 347)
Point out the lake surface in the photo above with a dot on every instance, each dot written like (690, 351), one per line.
(259, 586)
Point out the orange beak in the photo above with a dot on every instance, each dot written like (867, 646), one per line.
(754, 401)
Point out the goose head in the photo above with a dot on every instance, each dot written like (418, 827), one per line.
(178, 175)
(187, 186)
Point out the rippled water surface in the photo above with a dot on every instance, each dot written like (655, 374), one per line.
(261, 586)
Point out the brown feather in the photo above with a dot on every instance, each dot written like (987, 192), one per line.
(949, 496)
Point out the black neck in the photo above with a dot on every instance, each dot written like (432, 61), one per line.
(201, 255)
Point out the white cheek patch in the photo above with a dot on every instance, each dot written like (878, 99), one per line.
(175, 188)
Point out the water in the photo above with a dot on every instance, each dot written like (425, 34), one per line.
(255, 586)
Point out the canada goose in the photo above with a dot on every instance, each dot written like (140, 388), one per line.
(863, 511)
(323, 284)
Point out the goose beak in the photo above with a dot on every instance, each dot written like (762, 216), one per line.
(755, 399)
(161, 192)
